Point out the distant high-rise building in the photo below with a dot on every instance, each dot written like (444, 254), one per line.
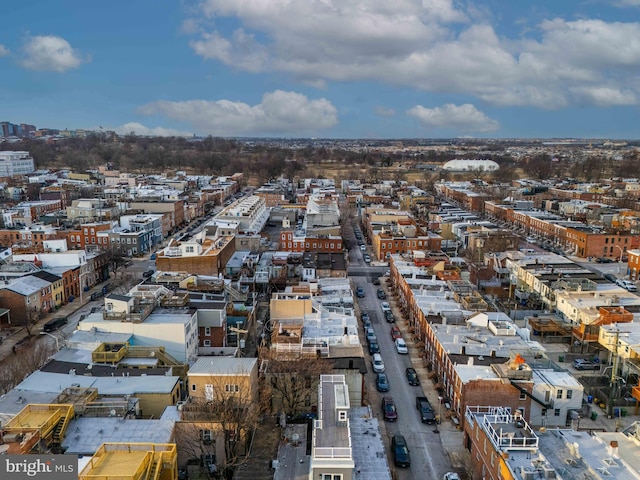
(16, 163)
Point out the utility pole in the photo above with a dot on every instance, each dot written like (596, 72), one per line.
(613, 382)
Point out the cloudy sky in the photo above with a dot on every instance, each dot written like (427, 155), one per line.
(325, 68)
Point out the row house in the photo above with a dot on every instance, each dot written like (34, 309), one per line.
(405, 240)
(36, 209)
(461, 194)
(30, 237)
(87, 210)
(205, 257)
(87, 236)
(466, 371)
(28, 298)
(174, 208)
(290, 242)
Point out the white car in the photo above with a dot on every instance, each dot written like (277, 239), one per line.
(401, 347)
(451, 476)
(627, 284)
(377, 363)
(385, 306)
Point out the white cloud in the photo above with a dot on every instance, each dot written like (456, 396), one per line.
(50, 53)
(430, 45)
(280, 112)
(142, 130)
(605, 97)
(385, 112)
(4, 51)
(463, 118)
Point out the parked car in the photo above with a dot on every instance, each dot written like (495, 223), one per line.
(374, 348)
(367, 258)
(363, 248)
(360, 292)
(412, 376)
(426, 411)
(365, 316)
(604, 260)
(371, 336)
(376, 281)
(451, 476)
(611, 277)
(148, 273)
(366, 325)
(627, 285)
(400, 451)
(582, 364)
(54, 324)
(385, 306)
(381, 294)
(377, 363)
(401, 347)
(395, 332)
(389, 410)
(388, 316)
(382, 382)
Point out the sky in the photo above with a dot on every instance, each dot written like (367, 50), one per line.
(325, 68)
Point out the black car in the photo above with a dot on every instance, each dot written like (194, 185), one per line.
(412, 376)
(400, 452)
(388, 316)
(381, 295)
(603, 260)
(374, 348)
(611, 277)
(365, 316)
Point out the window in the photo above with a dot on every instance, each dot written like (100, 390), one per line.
(232, 388)
(544, 412)
(569, 393)
(523, 396)
(559, 394)
(330, 476)
(207, 343)
(207, 331)
(193, 387)
(556, 412)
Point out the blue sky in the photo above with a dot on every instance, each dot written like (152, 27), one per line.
(325, 68)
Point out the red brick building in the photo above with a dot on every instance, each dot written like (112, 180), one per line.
(319, 244)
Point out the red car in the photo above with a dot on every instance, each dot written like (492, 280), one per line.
(395, 333)
(389, 409)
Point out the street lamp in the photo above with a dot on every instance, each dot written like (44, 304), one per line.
(55, 338)
(438, 419)
(81, 286)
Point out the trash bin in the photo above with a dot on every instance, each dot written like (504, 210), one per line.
(594, 415)
(561, 358)
(616, 412)
(623, 412)
(589, 398)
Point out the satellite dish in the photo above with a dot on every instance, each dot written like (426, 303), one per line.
(112, 412)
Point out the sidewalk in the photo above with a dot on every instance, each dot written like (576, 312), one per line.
(11, 339)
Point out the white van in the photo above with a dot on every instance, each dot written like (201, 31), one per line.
(378, 364)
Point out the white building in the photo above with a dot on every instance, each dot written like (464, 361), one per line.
(16, 163)
(250, 214)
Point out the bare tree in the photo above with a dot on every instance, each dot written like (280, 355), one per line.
(222, 423)
(27, 359)
(292, 384)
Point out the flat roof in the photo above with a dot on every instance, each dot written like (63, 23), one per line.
(221, 366)
(86, 434)
(367, 445)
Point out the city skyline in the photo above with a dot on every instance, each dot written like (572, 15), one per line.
(348, 69)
